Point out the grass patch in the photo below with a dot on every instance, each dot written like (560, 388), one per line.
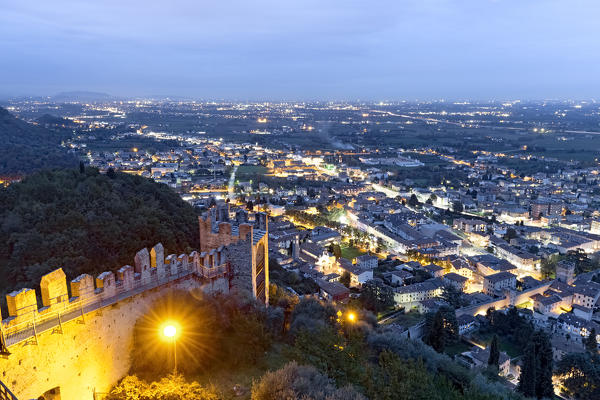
(246, 172)
(456, 348)
(527, 304)
(351, 252)
(408, 319)
(506, 345)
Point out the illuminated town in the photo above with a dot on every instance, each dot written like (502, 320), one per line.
(299, 200)
(423, 228)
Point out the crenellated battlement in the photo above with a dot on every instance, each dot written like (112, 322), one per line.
(87, 324)
(246, 236)
(151, 269)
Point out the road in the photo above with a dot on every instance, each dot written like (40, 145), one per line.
(390, 316)
(231, 184)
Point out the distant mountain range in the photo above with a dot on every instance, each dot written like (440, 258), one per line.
(26, 147)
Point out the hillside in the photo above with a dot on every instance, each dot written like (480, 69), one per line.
(25, 148)
(86, 223)
(294, 349)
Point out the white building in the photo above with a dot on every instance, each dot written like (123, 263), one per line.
(496, 283)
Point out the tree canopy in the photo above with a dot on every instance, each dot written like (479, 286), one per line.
(26, 147)
(319, 355)
(579, 374)
(86, 223)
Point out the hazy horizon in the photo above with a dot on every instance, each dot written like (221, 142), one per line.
(478, 50)
(89, 96)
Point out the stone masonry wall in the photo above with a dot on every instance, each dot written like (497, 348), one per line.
(92, 353)
(89, 353)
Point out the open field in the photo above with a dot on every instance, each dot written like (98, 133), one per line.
(351, 252)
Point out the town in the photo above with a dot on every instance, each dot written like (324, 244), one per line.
(506, 226)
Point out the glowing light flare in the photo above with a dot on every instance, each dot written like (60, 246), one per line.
(170, 330)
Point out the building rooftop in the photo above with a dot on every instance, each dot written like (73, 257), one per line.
(500, 276)
(453, 276)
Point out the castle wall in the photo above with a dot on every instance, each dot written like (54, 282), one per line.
(512, 298)
(91, 353)
(82, 344)
(247, 252)
(87, 353)
(223, 235)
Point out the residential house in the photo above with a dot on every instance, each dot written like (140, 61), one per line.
(435, 270)
(358, 275)
(494, 284)
(587, 294)
(455, 280)
(418, 292)
(333, 291)
(367, 261)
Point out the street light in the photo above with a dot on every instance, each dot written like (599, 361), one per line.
(169, 331)
(351, 317)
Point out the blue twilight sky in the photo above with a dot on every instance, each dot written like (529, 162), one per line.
(301, 50)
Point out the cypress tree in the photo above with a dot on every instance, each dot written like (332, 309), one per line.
(528, 371)
(436, 337)
(591, 344)
(545, 366)
(494, 358)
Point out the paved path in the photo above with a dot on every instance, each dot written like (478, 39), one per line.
(231, 184)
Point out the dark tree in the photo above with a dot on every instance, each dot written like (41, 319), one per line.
(452, 296)
(545, 364)
(441, 328)
(336, 250)
(81, 167)
(494, 358)
(27, 147)
(528, 371)
(376, 296)
(83, 218)
(548, 266)
(591, 344)
(511, 233)
(413, 201)
(111, 173)
(579, 374)
(536, 373)
(345, 279)
(436, 335)
(458, 207)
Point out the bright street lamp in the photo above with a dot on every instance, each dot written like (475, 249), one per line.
(169, 331)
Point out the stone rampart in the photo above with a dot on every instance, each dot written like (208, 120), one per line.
(81, 344)
(510, 298)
